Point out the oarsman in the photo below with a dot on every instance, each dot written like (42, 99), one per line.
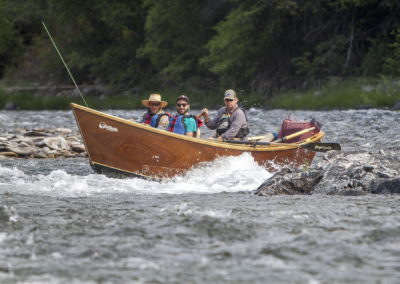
(231, 121)
(155, 116)
(183, 122)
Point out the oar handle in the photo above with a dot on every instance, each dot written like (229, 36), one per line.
(283, 139)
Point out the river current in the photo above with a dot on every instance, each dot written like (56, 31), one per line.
(62, 223)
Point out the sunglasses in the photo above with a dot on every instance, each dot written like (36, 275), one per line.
(228, 100)
(154, 104)
(181, 105)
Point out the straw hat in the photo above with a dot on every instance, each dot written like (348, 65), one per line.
(156, 98)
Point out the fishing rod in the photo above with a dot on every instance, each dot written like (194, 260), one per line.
(66, 67)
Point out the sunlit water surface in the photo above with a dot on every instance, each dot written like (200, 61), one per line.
(62, 223)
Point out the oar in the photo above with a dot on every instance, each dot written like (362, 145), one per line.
(322, 146)
(314, 146)
(284, 138)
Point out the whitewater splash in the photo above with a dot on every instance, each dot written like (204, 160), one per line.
(227, 174)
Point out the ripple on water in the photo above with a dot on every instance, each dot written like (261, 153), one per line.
(62, 223)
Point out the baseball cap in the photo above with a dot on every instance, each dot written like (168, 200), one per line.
(183, 97)
(230, 95)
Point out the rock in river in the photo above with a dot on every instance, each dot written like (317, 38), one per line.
(339, 174)
(39, 143)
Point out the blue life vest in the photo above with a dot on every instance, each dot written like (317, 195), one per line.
(154, 120)
(177, 125)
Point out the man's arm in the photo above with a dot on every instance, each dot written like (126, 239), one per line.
(212, 123)
(190, 126)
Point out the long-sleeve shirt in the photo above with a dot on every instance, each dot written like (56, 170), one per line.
(237, 120)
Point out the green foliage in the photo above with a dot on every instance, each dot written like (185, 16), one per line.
(10, 40)
(175, 35)
(252, 47)
(352, 93)
(10, 45)
(200, 46)
(392, 62)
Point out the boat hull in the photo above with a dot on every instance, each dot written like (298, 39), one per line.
(125, 147)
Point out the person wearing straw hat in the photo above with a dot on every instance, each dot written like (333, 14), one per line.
(230, 122)
(155, 116)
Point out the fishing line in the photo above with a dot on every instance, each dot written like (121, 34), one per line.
(69, 72)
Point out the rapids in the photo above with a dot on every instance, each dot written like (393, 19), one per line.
(62, 223)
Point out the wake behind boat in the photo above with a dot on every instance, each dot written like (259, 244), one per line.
(117, 145)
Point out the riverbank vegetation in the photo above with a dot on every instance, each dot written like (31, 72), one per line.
(308, 54)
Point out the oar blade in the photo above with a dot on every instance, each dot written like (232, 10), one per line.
(322, 147)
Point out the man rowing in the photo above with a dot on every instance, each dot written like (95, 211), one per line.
(231, 121)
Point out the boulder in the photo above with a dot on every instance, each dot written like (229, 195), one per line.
(21, 149)
(290, 181)
(339, 174)
(8, 154)
(35, 133)
(78, 147)
(386, 186)
(40, 143)
(56, 143)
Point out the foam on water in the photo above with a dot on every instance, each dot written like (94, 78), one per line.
(227, 174)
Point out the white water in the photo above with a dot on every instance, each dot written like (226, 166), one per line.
(61, 223)
(227, 174)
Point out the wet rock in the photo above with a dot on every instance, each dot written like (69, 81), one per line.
(339, 174)
(41, 143)
(56, 143)
(21, 149)
(79, 148)
(290, 181)
(9, 154)
(35, 133)
(63, 130)
(396, 106)
(39, 155)
(386, 186)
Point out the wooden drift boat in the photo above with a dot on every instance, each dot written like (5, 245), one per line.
(116, 145)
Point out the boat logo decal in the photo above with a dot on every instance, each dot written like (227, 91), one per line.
(103, 125)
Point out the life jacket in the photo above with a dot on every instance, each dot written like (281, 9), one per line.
(177, 124)
(154, 120)
(224, 124)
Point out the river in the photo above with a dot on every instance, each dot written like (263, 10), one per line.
(62, 223)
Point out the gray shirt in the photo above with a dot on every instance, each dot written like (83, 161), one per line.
(237, 120)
